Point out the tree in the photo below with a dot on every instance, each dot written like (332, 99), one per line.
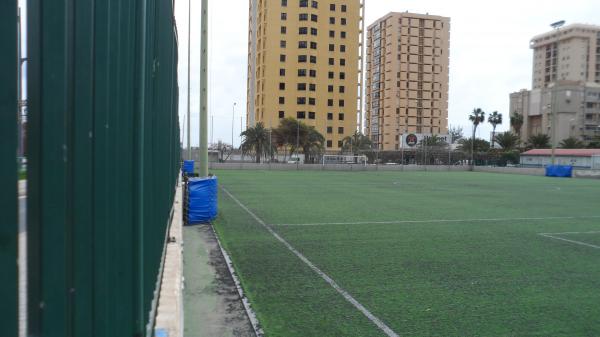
(356, 143)
(456, 133)
(571, 143)
(516, 121)
(255, 141)
(594, 144)
(312, 143)
(495, 119)
(480, 145)
(476, 117)
(539, 141)
(296, 135)
(507, 140)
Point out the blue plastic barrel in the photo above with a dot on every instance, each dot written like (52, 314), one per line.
(203, 201)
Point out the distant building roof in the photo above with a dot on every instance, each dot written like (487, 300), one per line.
(563, 152)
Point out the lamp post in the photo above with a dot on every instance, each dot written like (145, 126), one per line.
(232, 123)
(556, 26)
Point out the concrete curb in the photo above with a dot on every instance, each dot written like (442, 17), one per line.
(247, 307)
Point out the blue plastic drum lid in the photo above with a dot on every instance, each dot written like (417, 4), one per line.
(203, 199)
(188, 166)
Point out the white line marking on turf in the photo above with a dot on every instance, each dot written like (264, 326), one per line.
(553, 236)
(438, 221)
(380, 324)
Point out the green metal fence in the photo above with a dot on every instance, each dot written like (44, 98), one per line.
(8, 168)
(103, 162)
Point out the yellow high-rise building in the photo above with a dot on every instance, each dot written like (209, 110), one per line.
(304, 61)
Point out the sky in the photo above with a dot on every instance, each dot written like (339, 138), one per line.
(489, 54)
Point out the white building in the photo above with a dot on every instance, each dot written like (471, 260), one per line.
(578, 158)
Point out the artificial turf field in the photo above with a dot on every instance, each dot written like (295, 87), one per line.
(423, 253)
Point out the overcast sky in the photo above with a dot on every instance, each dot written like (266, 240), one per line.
(489, 53)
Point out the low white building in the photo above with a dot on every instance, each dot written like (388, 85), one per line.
(578, 158)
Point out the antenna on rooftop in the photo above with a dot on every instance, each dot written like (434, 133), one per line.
(558, 24)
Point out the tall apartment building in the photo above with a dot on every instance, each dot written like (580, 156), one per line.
(304, 62)
(570, 53)
(566, 85)
(407, 77)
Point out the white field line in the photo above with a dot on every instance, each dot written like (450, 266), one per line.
(380, 324)
(553, 236)
(439, 221)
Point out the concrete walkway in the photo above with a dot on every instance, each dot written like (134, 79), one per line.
(212, 306)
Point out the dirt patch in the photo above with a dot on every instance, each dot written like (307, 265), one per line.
(212, 304)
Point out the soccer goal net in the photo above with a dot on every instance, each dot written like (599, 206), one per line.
(341, 159)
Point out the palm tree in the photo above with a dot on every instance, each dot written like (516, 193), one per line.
(495, 119)
(476, 117)
(480, 145)
(312, 143)
(594, 144)
(539, 141)
(256, 141)
(507, 140)
(516, 121)
(356, 143)
(571, 143)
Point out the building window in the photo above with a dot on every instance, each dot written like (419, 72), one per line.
(342, 89)
(343, 48)
(332, 7)
(313, 59)
(341, 116)
(329, 102)
(283, 30)
(314, 4)
(312, 101)
(282, 44)
(329, 129)
(330, 88)
(303, 3)
(302, 72)
(343, 34)
(281, 72)
(332, 20)
(331, 47)
(281, 114)
(302, 44)
(303, 30)
(342, 62)
(344, 8)
(281, 86)
(329, 143)
(312, 87)
(341, 129)
(331, 61)
(340, 144)
(302, 86)
(301, 115)
(313, 18)
(311, 115)
(341, 103)
(303, 17)
(313, 45)
(283, 16)
(301, 100)
(332, 33)
(330, 116)
(342, 76)
(282, 58)
(330, 75)
(301, 58)
(343, 20)
(283, 3)
(281, 100)
(313, 31)
(312, 73)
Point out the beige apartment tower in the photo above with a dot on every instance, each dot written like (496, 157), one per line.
(304, 61)
(570, 53)
(407, 77)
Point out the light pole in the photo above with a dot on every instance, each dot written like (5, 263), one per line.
(232, 123)
(189, 146)
(204, 90)
(553, 110)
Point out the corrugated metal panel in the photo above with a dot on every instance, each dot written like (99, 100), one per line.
(104, 159)
(8, 168)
